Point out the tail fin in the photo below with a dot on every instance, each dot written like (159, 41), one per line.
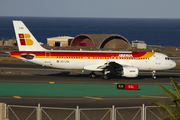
(25, 40)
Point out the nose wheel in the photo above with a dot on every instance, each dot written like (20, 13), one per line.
(154, 77)
(153, 74)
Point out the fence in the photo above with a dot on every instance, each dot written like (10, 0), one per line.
(14, 112)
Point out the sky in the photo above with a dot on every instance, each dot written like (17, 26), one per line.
(91, 8)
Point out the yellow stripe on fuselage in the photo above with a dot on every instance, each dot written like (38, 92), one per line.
(148, 55)
(16, 56)
(44, 57)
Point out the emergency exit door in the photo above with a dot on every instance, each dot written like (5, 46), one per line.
(47, 57)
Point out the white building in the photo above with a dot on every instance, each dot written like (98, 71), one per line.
(60, 41)
(139, 44)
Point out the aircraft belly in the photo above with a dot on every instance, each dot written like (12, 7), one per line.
(82, 63)
(74, 63)
(39, 61)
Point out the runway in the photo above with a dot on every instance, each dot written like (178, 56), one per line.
(29, 73)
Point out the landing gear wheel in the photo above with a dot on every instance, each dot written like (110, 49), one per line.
(105, 77)
(92, 75)
(154, 77)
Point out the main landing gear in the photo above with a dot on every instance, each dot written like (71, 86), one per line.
(104, 76)
(153, 74)
(92, 75)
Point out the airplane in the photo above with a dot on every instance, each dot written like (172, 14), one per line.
(124, 63)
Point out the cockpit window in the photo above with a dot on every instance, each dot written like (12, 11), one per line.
(167, 58)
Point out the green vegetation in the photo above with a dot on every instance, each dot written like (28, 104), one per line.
(174, 111)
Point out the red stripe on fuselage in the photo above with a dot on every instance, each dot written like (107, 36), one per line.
(138, 54)
(80, 54)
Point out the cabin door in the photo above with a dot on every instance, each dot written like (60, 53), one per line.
(158, 60)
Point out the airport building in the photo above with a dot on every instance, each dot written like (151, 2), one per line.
(7, 42)
(139, 44)
(101, 41)
(60, 41)
(1, 43)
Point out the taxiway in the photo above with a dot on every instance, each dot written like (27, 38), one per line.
(12, 72)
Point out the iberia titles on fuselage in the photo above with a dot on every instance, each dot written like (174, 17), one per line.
(124, 63)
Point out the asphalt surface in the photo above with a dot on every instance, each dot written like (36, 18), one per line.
(12, 72)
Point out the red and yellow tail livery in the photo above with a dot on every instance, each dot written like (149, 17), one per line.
(25, 39)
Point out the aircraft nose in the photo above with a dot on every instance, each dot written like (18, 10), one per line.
(173, 64)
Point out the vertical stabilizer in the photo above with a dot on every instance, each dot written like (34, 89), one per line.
(25, 40)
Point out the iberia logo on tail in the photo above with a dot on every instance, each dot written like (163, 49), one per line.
(25, 39)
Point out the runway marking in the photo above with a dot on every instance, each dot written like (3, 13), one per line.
(92, 97)
(84, 98)
(17, 97)
(149, 96)
(116, 83)
(60, 82)
(51, 82)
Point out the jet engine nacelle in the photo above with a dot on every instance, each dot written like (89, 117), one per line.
(130, 72)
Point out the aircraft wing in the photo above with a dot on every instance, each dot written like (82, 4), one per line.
(111, 66)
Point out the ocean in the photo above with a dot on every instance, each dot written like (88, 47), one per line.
(164, 32)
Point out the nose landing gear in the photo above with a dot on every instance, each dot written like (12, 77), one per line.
(153, 74)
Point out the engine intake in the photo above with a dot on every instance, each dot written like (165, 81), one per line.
(130, 72)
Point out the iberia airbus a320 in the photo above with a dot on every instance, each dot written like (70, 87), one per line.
(125, 63)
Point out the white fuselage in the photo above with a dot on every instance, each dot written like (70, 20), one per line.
(157, 62)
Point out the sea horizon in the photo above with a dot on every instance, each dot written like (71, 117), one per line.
(154, 31)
